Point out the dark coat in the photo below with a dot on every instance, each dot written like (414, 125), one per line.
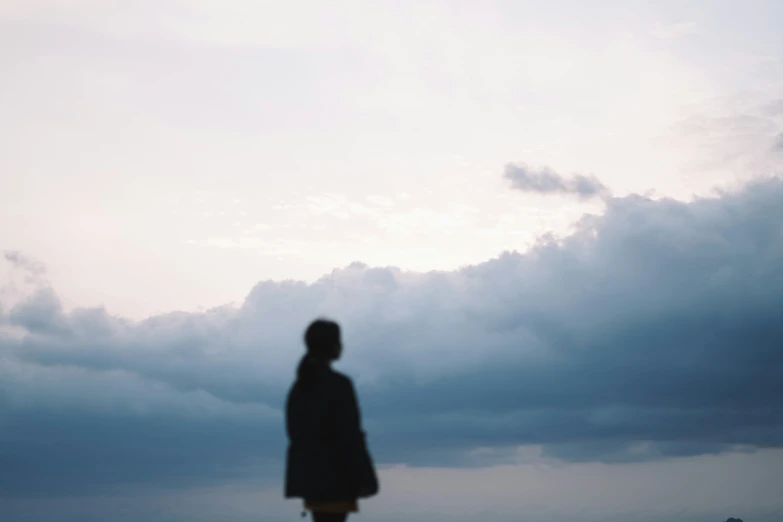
(327, 454)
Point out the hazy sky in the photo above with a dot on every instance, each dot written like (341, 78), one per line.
(551, 230)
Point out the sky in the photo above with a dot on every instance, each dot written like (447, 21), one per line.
(552, 234)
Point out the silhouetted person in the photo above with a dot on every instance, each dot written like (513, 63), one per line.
(328, 464)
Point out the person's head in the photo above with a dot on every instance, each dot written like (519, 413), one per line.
(322, 339)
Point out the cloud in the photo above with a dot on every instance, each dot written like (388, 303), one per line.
(652, 332)
(28, 264)
(547, 181)
(735, 139)
(24, 275)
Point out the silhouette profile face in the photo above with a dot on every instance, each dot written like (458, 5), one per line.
(338, 349)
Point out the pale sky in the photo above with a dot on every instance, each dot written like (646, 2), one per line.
(170, 155)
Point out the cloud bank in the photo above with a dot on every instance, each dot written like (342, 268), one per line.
(546, 181)
(652, 331)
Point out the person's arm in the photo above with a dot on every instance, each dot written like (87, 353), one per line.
(352, 438)
(348, 418)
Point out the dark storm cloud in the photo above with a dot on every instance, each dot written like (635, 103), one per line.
(546, 181)
(653, 331)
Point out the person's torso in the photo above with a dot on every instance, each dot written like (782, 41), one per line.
(310, 410)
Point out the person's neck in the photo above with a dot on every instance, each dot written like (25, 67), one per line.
(326, 363)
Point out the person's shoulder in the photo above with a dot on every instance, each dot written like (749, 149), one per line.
(341, 380)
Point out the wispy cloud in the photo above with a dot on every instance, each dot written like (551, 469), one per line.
(26, 274)
(544, 180)
(32, 266)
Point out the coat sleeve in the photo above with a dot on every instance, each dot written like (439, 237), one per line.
(353, 439)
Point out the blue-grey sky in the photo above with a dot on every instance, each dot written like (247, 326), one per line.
(552, 233)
